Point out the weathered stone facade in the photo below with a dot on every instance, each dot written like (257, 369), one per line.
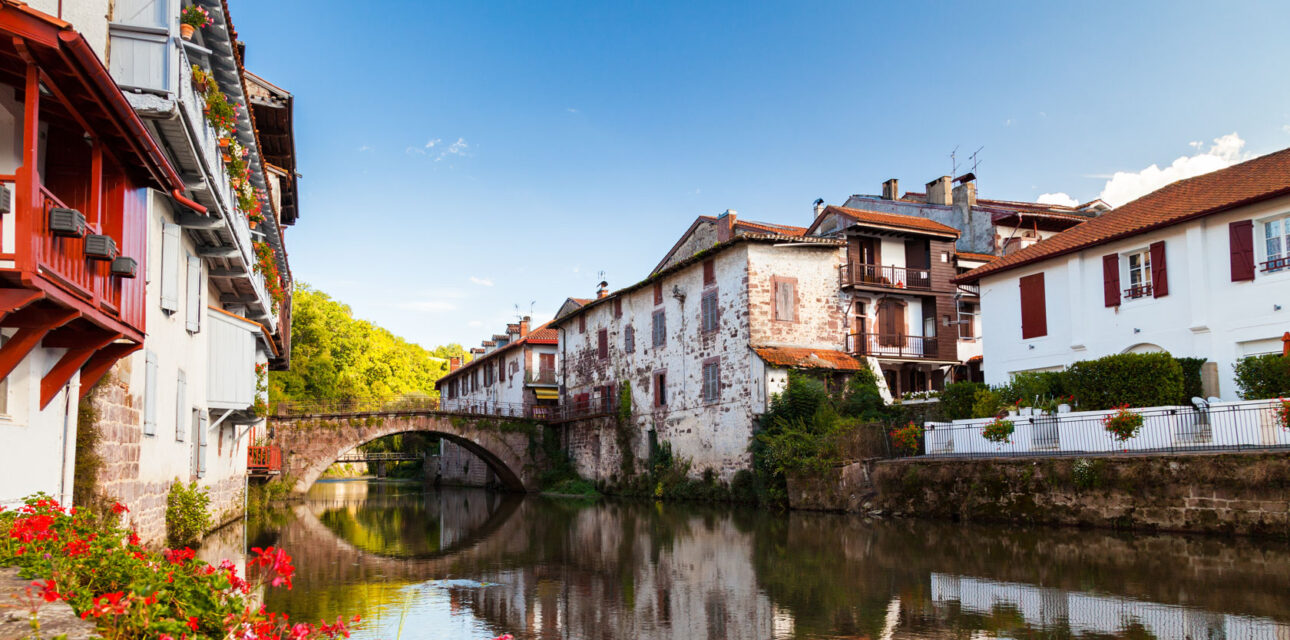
(457, 466)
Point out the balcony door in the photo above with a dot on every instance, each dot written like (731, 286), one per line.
(891, 322)
(865, 258)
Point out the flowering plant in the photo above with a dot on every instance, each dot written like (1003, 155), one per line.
(261, 406)
(1283, 412)
(267, 265)
(1123, 424)
(907, 438)
(203, 81)
(106, 576)
(999, 431)
(195, 17)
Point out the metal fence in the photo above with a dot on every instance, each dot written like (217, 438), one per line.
(355, 405)
(1227, 426)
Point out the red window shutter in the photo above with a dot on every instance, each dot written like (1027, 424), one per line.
(1241, 242)
(602, 343)
(1034, 315)
(1159, 271)
(709, 272)
(582, 324)
(658, 293)
(618, 307)
(1111, 279)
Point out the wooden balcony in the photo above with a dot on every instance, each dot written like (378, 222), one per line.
(262, 462)
(892, 346)
(885, 277)
(1275, 264)
(1138, 291)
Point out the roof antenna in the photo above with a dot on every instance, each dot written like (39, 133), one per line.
(954, 162)
(976, 158)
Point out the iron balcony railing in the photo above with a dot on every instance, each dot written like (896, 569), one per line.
(1251, 425)
(542, 376)
(889, 277)
(891, 345)
(1138, 291)
(1276, 264)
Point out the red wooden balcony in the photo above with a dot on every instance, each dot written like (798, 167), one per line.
(263, 461)
(885, 277)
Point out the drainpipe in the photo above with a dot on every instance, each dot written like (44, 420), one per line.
(178, 195)
(62, 476)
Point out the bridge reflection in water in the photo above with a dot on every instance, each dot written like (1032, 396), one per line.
(412, 562)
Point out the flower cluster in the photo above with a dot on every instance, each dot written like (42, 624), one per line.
(267, 265)
(998, 431)
(1283, 412)
(907, 438)
(102, 572)
(1123, 424)
(196, 17)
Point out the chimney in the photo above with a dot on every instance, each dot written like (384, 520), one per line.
(965, 193)
(513, 332)
(819, 208)
(454, 363)
(726, 225)
(602, 289)
(938, 191)
(524, 327)
(891, 189)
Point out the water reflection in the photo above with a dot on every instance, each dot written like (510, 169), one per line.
(460, 563)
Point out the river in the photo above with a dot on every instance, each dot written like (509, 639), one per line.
(424, 564)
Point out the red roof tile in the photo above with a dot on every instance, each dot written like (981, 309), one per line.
(802, 358)
(766, 227)
(544, 334)
(1241, 184)
(897, 220)
(981, 257)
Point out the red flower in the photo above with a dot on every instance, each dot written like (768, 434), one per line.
(119, 508)
(76, 548)
(277, 562)
(177, 556)
(48, 591)
(192, 622)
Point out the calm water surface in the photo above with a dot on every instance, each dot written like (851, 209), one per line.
(463, 563)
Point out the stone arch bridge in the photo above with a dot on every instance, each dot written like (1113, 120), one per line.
(310, 442)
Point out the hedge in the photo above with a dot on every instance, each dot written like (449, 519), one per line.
(1192, 387)
(1263, 377)
(1138, 379)
(957, 399)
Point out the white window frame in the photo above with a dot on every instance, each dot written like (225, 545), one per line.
(1144, 271)
(1261, 244)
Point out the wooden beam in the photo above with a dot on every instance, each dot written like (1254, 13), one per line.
(17, 348)
(236, 299)
(12, 300)
(218, 252)
(71, 362)
(40, 316)
(102, 361)
(189, 220)
(227, 273)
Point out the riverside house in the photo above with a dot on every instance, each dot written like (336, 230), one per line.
(1199, 268)
(513, 373)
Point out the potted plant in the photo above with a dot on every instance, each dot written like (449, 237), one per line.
(1123, 425)
(999, 431)
(906, 438)
(1283, 412)
(203, 81)
(191, 19)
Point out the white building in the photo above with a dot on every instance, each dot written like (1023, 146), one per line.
(512, 374)
(1198, 268)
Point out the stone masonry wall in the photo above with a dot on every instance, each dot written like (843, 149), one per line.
(460, 467)
(1230, 493)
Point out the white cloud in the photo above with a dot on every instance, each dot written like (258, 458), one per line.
(483, 282)
(422, 150)
(1057, 198)
(1125, 186)
(457, 148)
(364, 148)
(572, 110)
(427, 306)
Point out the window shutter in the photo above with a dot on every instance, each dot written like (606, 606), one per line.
(1241, 242)
(709, 271)
(202, 422)
(1159, 272)
(170, 267)
(602, 343)
(1034, 318)
(194, 318)
(150, 394)
(181, 406)
(1111, 279)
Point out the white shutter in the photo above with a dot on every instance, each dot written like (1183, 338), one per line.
(194, 294)
(181, 406)
(170, 267)
(201, 455)
(150, 394)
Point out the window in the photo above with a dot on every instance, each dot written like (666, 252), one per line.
(1034, 314)
(660, 389)
(1139, 275)
(659, 329)
(785, 300)
(629, 339)
(967, 320)
(708, 311)
(602, 344)
(618, 307)
(1276, 236)
(709, 272)
(488, 374)
(658, 293)
(582, 324)
(712, 380)
(501, 371)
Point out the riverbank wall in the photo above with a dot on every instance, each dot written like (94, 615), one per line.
(1225, 493)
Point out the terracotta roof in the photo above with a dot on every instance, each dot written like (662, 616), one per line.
(802, 358)
(1241, 184)
(581, 301)
(896, 220)
(544, 334)
(767, 227)
(982, 257)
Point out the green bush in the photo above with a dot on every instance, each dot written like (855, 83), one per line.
(1192, 387)
(1034, 388)
(986, 403)
(1136, 379)
(1263, 377)
(958, 398)
(187, 513)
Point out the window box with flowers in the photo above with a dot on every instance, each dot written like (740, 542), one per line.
(267, 265)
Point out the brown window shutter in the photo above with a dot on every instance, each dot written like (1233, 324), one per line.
(602, 346)
(1159, 272)
(658, 293)
(1241, 242)
(1034, 315)
(1111, 279)
(709, 272)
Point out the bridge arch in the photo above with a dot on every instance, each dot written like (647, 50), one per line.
(312, 443)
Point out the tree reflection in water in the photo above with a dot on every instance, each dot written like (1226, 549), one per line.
(408, 560)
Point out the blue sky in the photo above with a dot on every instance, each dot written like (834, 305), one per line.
(460, 159)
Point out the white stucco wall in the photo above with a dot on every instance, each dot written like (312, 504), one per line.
(37, 447)
(89, 17)
(1205, 314)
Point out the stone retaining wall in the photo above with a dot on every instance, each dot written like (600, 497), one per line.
(1230, 493)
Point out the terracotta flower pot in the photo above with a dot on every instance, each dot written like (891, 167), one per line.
(186, 31)
(224, 142)
(253, 223)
